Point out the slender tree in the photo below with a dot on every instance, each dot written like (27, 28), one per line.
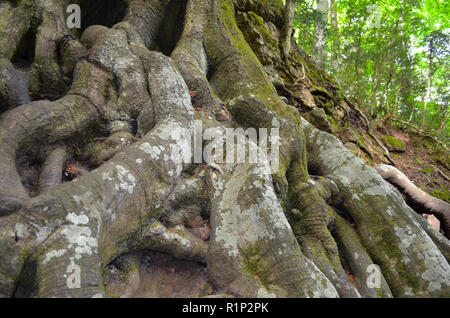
(321, 33)
(289, 11)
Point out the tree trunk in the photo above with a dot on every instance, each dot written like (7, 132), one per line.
(320, 33)
(429, 84)
(289, 11)
(335, 34)
(122, 98)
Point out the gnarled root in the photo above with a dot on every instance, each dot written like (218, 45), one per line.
(262, 229)
(42, 122)
(386, 225)
(52, 171)
(108, 207)
(421, 201)
(14, 86)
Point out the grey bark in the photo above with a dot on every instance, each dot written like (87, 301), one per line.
(416, 197)
(273, 232)
(320, 33)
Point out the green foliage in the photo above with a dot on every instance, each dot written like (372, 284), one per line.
(391, 57)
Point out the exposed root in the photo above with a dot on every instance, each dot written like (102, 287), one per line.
(103, 199)
(357, 259)
(380, 222)
(176, 241)
(264, 229)
(14, 86)
(51, 173)
(101, 151)
(416, 197)
(263, 256)
(41, 122)
(369, 131)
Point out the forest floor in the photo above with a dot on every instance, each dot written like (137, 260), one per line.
(421, 162)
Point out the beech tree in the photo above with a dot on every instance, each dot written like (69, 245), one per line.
(117, 95)
(321, 33)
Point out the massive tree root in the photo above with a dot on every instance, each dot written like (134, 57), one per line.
(125, 110)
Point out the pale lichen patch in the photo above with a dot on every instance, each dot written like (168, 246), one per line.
(264, 293)
(390, 211)
(79, 236)
(43, 233)
(53, 254)
(169, 236)
(77, 219)
(154, 152)
(21, 231)
(126, 180)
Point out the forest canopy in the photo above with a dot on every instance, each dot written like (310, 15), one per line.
(391, 57)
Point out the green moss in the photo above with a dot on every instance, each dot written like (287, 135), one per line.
(270, 10)
(261, 28)
(393, 143)
(427, 170)
(247, 91)
(443, 194)
(360, 142)
(254, 72)
(25, 253)
(427, 143)
(124, 275)
(397, 156)
(253, 265)
(320, 80)
(442, 157)
(331, 120)
(384, 246)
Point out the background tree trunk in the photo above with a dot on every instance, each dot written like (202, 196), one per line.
(321, 33)
(289, 11)
(427, 98)
(335, 34)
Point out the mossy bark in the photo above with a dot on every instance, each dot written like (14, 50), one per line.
(273, 231)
